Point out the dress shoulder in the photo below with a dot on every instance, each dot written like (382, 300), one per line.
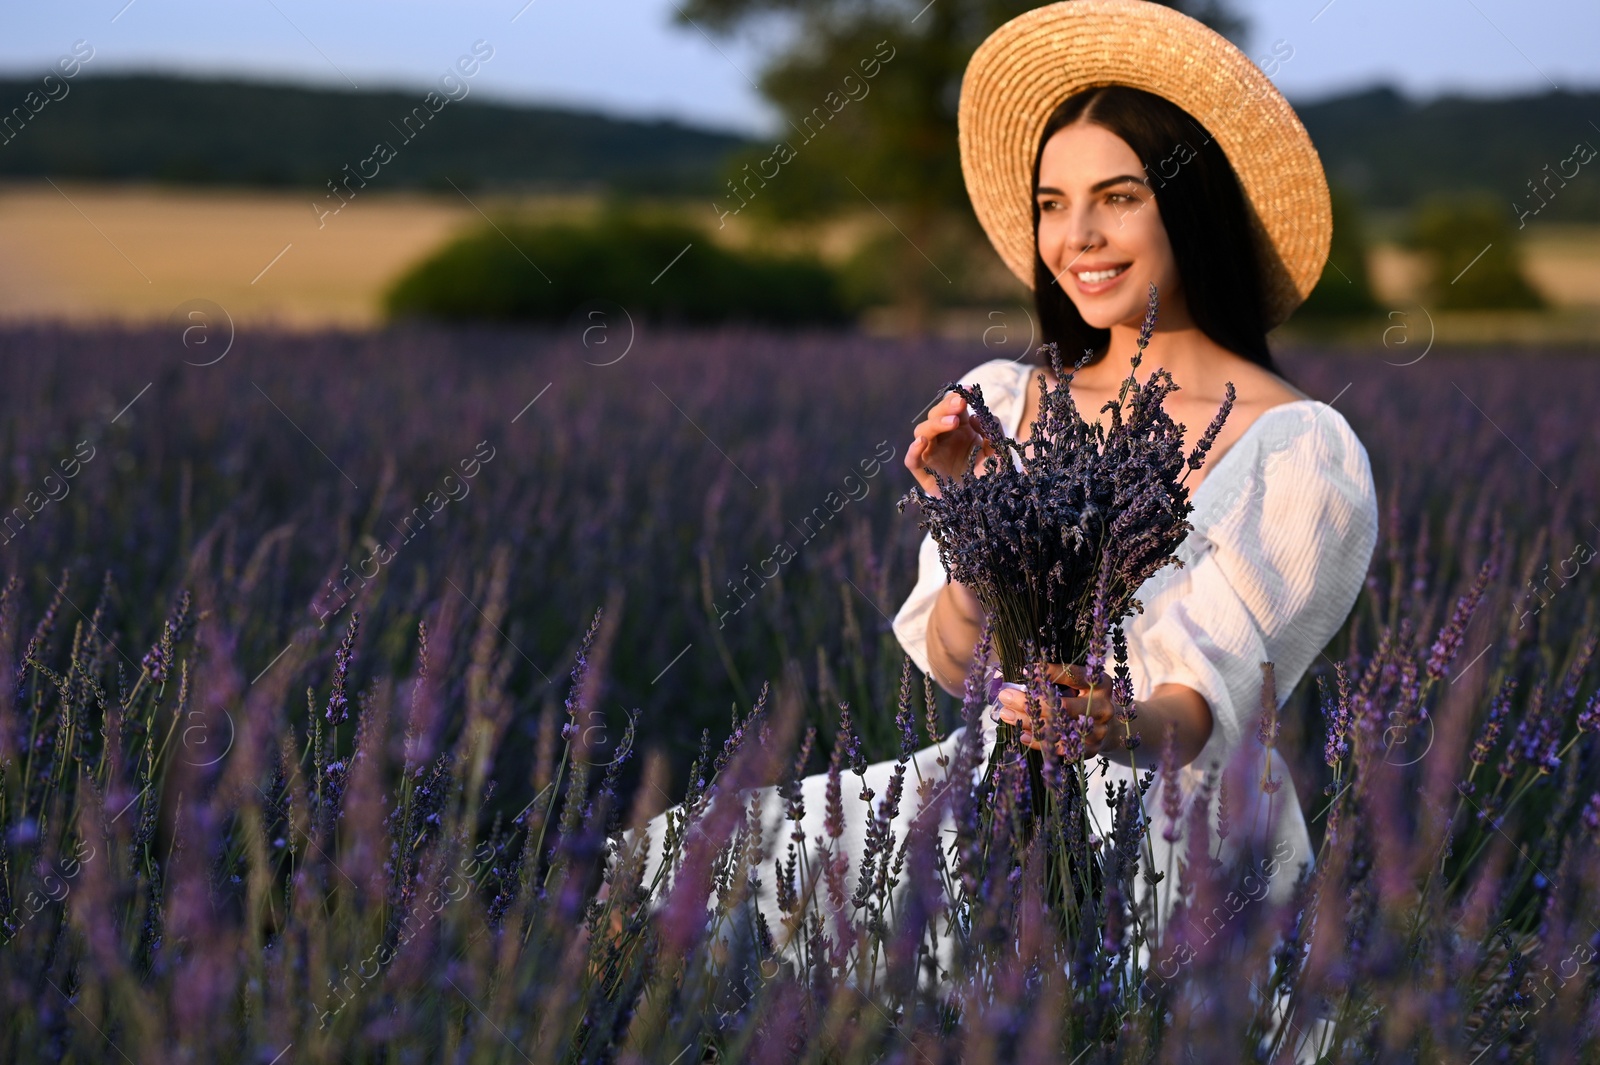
(1287, 442)
(1279, 554)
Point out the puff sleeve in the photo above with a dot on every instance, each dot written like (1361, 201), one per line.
(1002, 381)
(1278, 554)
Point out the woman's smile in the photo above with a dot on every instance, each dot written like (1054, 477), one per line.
(1099, 222)
(1098, 278)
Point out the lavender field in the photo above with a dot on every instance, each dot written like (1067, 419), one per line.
(300, 638)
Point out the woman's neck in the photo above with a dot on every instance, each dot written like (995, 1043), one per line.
(1182, 350)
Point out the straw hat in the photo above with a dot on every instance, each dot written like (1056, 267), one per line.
(1028, 66)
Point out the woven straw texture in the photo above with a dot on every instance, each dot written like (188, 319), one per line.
(1023, 71)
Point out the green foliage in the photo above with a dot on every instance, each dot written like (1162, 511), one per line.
(1475, 254)
(657, 270)
(1345, 288)
(869, 91)
(885, 269)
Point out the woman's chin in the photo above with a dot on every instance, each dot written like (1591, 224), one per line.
(1101, 317)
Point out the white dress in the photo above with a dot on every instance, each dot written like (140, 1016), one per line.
(1285, 523)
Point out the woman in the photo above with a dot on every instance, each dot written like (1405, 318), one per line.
(1097, 167)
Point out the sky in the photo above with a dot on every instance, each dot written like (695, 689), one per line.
(630, 58)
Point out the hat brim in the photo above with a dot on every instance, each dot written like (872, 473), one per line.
(1027, 67)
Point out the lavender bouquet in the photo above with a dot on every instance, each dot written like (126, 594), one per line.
(1055, 545)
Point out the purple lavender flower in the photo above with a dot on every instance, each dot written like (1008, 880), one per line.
(1098, 622)
(578, 693)
(930, 702)
(833, 821)
(1339, 716)
(1056, 549)
(1494, 721)
(848, 739)
(338, 710)
(1209, 438)
(1054, 538)
(904, 718)
(1524, 745)
(1171, 795)
(1448, 642)
(1589, 719)
(1223, 812)
(793, 795)
(1567, 694)
(1122, 686)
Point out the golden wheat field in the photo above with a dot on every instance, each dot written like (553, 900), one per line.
(87, 252)
(134, 253)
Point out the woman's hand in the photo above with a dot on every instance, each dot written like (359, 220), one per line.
(1093, 701)
(943, 441)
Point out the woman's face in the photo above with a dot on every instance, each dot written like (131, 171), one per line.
(1096, 214)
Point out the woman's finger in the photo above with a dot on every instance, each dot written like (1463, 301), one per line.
(936, 423)
(949, 410)
(1097, 709)
(933, 445)
(1014, 704)
(1056, 673)
(1013, 715)
(1095, 703)
(1015, 699)
(1074, 675)
(1091, 743)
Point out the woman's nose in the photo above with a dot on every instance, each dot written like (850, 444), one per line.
(1083, 235)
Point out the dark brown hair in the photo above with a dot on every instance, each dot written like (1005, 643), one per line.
(1202, 207)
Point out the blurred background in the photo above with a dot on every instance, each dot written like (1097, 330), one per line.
(286, 161)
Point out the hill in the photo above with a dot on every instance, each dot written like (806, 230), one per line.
(193, 131)
(1391, 150)
(1386, 148)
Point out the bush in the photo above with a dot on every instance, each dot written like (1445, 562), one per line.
(1474, 248)
(657, 270)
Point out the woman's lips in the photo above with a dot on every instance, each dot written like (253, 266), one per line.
(1095, 287)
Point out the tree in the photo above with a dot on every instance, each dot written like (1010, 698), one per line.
(1475, 253)
(1344, 288)
(869, 91)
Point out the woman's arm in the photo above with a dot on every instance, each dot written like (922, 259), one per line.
(954, 625)
(1175, 704)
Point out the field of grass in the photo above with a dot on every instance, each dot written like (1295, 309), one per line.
(291, 640)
